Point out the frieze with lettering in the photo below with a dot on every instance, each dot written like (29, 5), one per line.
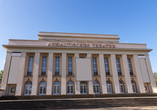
(92, 45)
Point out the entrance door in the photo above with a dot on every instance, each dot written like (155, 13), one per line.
(146, 86)
(83, 88)
(70, 88)
(42, 88)
(56, 88)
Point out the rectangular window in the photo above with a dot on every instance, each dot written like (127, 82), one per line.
(118, 66)
(107, 66)
(70, 66)
(57, 66)
(95, 66)
(30, 66)
(130, 67)
(43, 71)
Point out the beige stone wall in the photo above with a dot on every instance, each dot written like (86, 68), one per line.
(73, 77)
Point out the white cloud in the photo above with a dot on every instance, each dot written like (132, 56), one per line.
(4, 61)
(125, 41)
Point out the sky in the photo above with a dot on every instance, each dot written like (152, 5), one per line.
(134, 21)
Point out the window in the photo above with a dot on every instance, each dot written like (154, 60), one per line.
(95, 66)
(57, 66)
(70, 66)
(30, 66)
(96, 87)
(109, 87)
(130, 67)
(70, 88)
(56, 88)
(133, 86)
(107, 67)
(43, 71)
(118, 66)
(121, 85)
(42, 88)
(28, 88)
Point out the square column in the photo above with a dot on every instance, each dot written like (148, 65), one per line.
(77, 91)
(138, 74)
(49, 75)
(63, 76)
(35, 74)
(150, 72)
(90, 87)
(127, 74)
(115, 74)
(102, 74)
(20, 75)
(77, 83)
(6, 73)
(90, 83)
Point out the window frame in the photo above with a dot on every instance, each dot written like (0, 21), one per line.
(45, 68)
(32, 62)
(71, 67)
(96, 66)
(57, 68)
(130, 66)
(107, 73)
(118, 63)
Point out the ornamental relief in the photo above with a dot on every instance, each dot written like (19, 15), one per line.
(92, 45)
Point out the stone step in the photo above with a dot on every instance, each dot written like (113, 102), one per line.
(75, 104)
(76, 96)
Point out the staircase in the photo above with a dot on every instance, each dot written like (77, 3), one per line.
(77, 101)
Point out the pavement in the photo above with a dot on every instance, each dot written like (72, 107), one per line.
(78, 99)
(121, 108)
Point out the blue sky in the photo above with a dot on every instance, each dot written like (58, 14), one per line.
(134, 21)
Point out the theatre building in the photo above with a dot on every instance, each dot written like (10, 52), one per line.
(75, 63)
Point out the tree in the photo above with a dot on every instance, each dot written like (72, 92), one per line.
(155, 76)
(1, 73)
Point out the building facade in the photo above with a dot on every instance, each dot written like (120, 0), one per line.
(74, 63)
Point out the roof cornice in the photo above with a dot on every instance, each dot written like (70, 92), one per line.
(78, 48)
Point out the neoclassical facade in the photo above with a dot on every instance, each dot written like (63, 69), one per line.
(75, 63)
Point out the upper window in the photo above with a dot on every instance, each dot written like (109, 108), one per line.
(70, 66)
(107, 67)
(57, 66)
(30, 66)
(43, 71)
(130, 67)
(118, 66)
(95, 66)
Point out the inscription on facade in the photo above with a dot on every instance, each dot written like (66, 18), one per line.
(92, 45)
